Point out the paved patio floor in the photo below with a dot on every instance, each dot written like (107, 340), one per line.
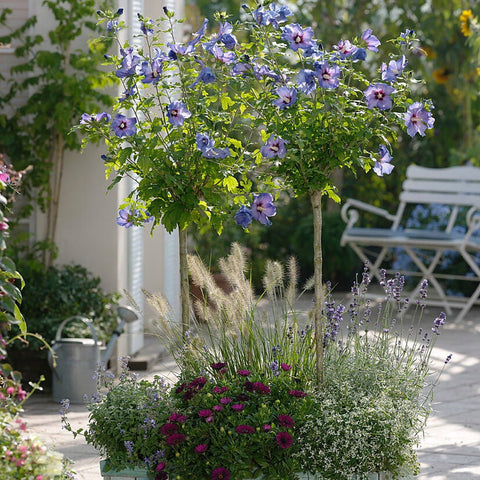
(449, 451)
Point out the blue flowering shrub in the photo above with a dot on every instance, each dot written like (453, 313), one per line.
(434, 218)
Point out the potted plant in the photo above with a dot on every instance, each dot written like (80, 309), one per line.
(300, 112)
(246, 404)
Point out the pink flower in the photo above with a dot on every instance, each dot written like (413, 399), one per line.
(286, 421)
(297, 393)
(10, 390)
(176, 439)
(221, 473)
(205, 413)
(220, 389)
(285, 367)
(176, 417)
(245, 429)
(168, 429)
(284, 440)
(203, 447)
(267, 427)
(161, 466)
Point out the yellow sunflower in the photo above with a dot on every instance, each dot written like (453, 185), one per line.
(441, 75)
(465, 25)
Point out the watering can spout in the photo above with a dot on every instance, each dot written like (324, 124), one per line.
(126, 315)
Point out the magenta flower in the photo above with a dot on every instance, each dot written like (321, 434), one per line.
(297, 393)
(218, 366)
(345, 48)
(4, 177)
(123, 126)
(161, 466)
(221, 473)
(378, 95)
(205, 413)
(394, 68)
(263, 207)
(287, 97)
(382, 165)
(202, 448)
(238, 407)
(218, 408)
(176, 439)
(178, 418)
(286, 421)
(284, 440)
(177, 113)
(168, 429)
(328, 75)
(371, 41)
(245, 429)
(225, 400)
(267, 427)
(244, 373)
(285, 367)
(259, 387)
(220, 389)
(274, 147)
(297, 36)
(418, 119)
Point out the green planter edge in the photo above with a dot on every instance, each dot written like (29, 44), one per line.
(136, 473)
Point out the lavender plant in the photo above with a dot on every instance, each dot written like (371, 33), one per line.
(378, 386)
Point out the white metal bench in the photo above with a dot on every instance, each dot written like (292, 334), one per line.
(456, 187)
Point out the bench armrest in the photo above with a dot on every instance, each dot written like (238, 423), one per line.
(473, 221)
(350, 214)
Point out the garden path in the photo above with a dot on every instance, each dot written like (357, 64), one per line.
(449, 451)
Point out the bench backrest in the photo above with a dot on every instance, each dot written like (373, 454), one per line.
(448, 186)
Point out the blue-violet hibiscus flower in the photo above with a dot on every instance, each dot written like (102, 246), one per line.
(345, 48)
(263, 207)
(177, 113)
(274, 147)
(382, 165)
(244, 216)
(371, 41)
(288, 96)
(129, 63)
(297, 36)
(207, 146)
(328, 75)
(394, 68)
(123, 126)
(418, 119)
(378, 95)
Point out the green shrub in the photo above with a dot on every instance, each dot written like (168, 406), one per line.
(55, 293)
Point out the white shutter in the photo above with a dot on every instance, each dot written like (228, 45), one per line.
(134, 330)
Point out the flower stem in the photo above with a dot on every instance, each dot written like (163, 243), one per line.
(316, 200)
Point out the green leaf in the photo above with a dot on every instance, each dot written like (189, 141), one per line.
(226, 101)
(231, 183)
(21, 321)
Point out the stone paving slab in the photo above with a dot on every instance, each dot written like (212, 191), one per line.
(450, 449)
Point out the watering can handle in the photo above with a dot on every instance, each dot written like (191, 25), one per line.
(86, 321)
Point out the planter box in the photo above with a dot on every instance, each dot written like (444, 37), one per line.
(124, 474)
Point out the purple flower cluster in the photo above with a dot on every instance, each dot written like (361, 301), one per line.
(262, 208)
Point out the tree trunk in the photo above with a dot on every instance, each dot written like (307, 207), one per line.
(316, 200)
(184, 286)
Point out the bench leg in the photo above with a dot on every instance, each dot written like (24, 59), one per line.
(428, 273)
